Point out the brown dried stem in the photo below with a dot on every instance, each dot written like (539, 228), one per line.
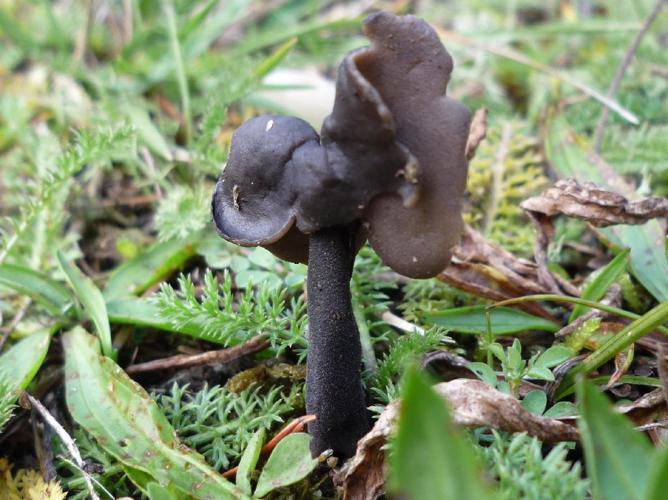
(179, 361)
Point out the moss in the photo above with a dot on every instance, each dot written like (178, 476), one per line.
(26, 484)
(507, 169)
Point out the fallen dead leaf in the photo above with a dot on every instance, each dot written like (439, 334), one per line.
(595, 205)
(472, 403)
(486, 270)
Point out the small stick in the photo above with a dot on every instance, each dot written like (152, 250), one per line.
(257, 343)
(400, 323)
(65, 438)
(621, 69)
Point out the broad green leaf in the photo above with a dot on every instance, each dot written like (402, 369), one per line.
(92, 300)
(24, 359)
(599, 285)
(562, 409)
(249, 461)
(289, 462)
(513, 358)
(535, 402)
(504, 320)
(53, 296)
(484, 372)
(553, 356)
(618, 457)
(429, 458)
(540, 373)
(570, 156)
(128, 424)
(150, 267)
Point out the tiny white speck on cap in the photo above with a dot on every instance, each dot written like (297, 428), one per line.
(415, 258)
(270, 124)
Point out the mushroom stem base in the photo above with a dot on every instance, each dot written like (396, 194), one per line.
(333, 383)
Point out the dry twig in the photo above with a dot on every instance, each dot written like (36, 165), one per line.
(179, 361)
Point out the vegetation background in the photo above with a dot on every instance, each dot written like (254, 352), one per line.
(116, 118)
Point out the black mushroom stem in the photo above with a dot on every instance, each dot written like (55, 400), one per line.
(333, 384)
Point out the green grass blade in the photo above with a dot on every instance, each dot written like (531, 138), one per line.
(598, 286)
(618, 457)
(128, 424)
(158, 262)
(268, 38)
(92, 300)
(430, 460)
(50, 294)
(618, 343)
(181, 78)
(658, 481)
(249, 461)
(574, 300)
(147, 131)
(504, 320)
(274, 59)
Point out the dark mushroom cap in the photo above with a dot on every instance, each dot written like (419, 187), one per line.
(410, 69)
(391, 155)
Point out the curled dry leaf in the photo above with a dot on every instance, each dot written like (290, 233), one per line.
(479, 267)
(588, 202)
(472, 404)
(595, 205)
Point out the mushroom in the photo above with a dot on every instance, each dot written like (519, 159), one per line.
(389, 165)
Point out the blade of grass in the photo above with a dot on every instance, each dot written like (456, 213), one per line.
(626, 379)
(574, 300)
(151, 266)
(617, 343)
(503, 321)
(596, 288)
(518, 57)
(429, 457)
(92, 300)
(181, 78)
(618, 457)
(53, 296)
(268, 38)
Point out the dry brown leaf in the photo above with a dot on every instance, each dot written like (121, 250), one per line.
(486, 270)
(477, 132)
(595, 205)
(472, 403)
